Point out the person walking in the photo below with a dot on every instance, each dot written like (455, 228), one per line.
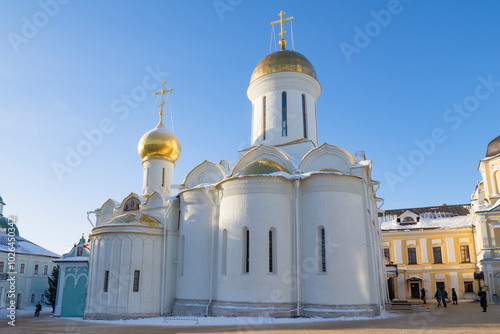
(445, 296)
(482, 295)
(38, 309)
(438, 295)
(454, 296)
(422, 295)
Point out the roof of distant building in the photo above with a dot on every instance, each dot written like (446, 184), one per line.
(433, 217)
(443, 210)
(24, 246)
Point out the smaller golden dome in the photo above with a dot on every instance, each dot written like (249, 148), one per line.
(262, 166)
(283, 61)
(159, 143)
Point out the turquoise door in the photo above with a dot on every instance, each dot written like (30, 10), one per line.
(74, 297)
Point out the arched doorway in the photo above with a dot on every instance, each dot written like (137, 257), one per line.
(390, 286)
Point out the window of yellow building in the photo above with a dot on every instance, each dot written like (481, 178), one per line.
(387, 253)
(438, 258)
(496, 234)
(412, 256)
(464, 254)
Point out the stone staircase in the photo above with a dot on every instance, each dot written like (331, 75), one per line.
(404, 305)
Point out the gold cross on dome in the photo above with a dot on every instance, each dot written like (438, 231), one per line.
(163, 91)
(282, 33)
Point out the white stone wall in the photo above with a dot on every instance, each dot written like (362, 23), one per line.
(121, 253)
(336, 203)
(257, 203)
(194, 246)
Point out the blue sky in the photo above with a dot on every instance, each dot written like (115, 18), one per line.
(425, 72)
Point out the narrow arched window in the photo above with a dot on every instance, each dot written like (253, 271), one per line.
(224, 252)
(321, 250)
(246, 251)
(283, 114)
(106, 281)
(247, 264)
(264, 118)
(163, 178)
(272, 250)
(304, 114)
(137, 275)
(181, 256)
(147, 176)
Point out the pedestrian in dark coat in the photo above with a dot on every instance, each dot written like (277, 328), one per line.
(38, 309)
(422, 295)
(445, 296)
(454, 296)
(438, 295)
(482, 294)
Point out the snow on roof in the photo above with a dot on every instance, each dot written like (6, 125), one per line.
(24, 246)
(205, 185)
(295, 161)
(230, 166)
(492, 207)
(74, 259)
(115, 202)
(165, 197)
(437, 211)
(428, 221)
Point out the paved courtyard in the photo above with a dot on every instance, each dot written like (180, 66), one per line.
(463, 318)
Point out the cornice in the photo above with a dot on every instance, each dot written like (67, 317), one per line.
(257, 184)
(126, 229)
(284, 81)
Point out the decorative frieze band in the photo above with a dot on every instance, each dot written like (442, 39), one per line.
(258, 184)
(332, 183)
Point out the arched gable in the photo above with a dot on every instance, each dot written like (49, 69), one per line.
(264, 153)
(327, 157)
(156, 200)
(108, 207)
(136, 198)
(206, 172)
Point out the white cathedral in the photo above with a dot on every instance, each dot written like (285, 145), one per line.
(290, 230)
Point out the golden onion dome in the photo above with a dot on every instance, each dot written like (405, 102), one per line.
(159, 143)
(283, 61)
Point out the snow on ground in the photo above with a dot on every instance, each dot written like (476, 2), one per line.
(28, 311)
(230, 321)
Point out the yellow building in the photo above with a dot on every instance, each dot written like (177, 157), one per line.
(486, 206)
(432, 247)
